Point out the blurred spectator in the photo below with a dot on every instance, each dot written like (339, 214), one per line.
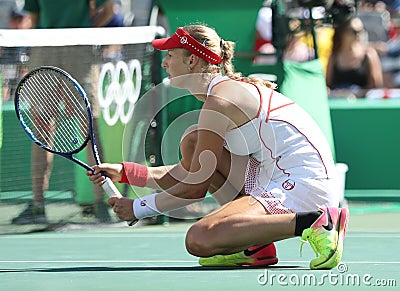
(96, 13)
(376, 19)
(354, 66)
(18, 20)
(6, 7)
(13, 59)
(381, 22)
(297, 50)
(113, 52)
(263, 37)
(50, 14)
(296, 47)
(299, 41)
(7, 69)
(263, 26)
(118, 18)
(391, 60)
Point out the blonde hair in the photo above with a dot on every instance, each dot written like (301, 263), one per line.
(226, 49)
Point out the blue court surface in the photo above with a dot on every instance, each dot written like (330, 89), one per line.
(154, 258)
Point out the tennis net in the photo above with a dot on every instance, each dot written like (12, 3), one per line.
(114, 66)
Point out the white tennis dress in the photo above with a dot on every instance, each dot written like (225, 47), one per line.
(291, 168)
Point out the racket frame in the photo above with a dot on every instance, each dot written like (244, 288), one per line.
(90, 136)
(107, 184)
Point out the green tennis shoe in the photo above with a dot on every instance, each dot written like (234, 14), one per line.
(326, 236)
(263, 255)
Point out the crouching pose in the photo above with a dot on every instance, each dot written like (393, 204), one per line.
(259, 154)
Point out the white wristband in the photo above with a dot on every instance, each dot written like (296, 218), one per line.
(145, 206)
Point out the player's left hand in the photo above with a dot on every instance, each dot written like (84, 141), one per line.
(123, 207)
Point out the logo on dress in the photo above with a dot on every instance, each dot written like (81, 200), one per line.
(288, 184)
(143, 203)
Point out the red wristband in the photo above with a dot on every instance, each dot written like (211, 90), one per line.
(134, 174)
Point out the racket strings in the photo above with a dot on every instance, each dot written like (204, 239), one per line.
(55, 112)
(41, 115)
(70, 106)
(74, 106)
(34, 116)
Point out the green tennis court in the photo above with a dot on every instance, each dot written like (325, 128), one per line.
(154, 258)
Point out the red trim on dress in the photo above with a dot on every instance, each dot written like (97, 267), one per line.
(269, 106)
(284, 105)
(326, 170)
(274, 158)
(259, 94)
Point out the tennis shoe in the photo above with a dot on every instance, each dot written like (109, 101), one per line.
(263, 255)
(32, 214)
(326, 236)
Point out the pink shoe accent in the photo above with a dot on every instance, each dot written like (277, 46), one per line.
(328, 218)
(264, 255)
(344, 220)
(339, 218)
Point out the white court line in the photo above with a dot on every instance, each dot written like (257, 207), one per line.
(170, 261)
(349, 262)
(375, 234)
(63, 236)
(160, 235)
(99, 261)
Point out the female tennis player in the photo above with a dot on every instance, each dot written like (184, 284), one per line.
(262, 157)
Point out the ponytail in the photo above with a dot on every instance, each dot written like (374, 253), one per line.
(227, 54)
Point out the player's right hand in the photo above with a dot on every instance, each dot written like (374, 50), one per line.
(123, 207)
(113, 171)
(111, 201)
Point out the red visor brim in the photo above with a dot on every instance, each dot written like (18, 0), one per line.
(181, 39)
(167, 43)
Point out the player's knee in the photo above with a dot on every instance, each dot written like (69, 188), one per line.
(199, 241)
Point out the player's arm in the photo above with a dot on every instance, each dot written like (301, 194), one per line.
(375, 69)
(195, 182)
(210, 140)
(329, 71)
(212, 127)
(33, 10)
(161, 177)
(34, 19)
(158, 178)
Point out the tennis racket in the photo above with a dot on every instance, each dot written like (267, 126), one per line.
(55, 112)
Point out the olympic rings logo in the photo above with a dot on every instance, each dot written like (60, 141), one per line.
(118, 90)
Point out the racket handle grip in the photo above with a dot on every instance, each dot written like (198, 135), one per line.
(110, 188)
(112, 191)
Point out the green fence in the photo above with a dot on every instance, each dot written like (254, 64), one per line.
(368, 140)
